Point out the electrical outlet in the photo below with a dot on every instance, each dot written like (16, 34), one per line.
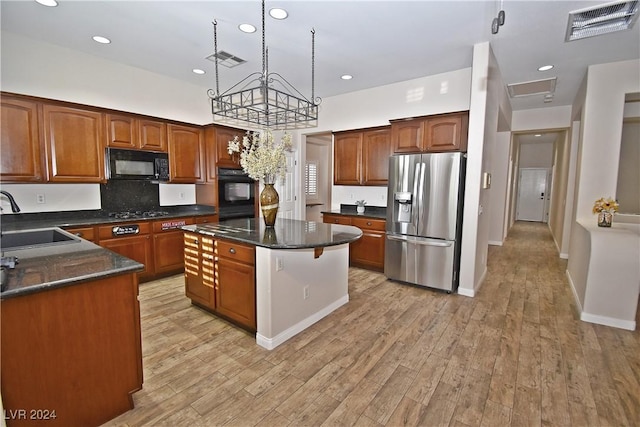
(279, 264)
(305, 292)
(181, 195)
(40, 199)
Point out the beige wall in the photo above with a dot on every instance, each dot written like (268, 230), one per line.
(628, 186)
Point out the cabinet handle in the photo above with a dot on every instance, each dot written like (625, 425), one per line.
(336, 221)
(232, 251)
(195, 241)
(79, 234)
(368, 222)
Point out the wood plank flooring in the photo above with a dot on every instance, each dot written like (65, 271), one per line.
(397, 355)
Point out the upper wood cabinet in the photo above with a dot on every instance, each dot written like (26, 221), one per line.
(126, 131)
(22, 156)
(222, 137)
(443, 132)
(74, 143)
(362, 157)
(186, 153)
(347, 158)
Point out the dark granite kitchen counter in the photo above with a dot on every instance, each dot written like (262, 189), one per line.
(29, 221)
(69, 263)
(286, 234)
(374, 212)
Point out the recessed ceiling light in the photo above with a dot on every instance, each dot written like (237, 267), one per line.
(545, 68)
(247, 28)
(101, 39)
(346, 77)
(277, 13)
(48, 3)
(198, 71)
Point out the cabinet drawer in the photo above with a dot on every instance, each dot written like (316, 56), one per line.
(369, 224)
(171, 224)
(240, 253)
(106, 231)
(87, 233)
(336, 219)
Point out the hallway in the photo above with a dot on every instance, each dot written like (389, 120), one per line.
(516, 354)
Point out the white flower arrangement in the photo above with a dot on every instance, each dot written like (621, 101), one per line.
(260, 156)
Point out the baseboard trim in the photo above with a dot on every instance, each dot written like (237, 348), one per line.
(271, 343)
(573, 290)
(495, 242)
(472, 292)
(564, 256)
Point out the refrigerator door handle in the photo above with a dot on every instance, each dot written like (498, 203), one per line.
(421, 241)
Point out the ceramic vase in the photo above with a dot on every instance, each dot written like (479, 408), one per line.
(604, 219)
(269, 201)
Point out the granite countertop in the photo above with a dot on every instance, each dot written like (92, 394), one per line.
(92, 217)
(64, 264)
(286, 234)
(375, 212)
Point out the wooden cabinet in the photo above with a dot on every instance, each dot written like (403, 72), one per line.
(138, 247)
(168, 247)
(235, 282)
(439, 133)
(74, 144)
(347, 158)
(220, 276)
(22, 156)
(199, 269)
(368, 251)
(376, 149)
(362, 157)
(206, 219)
(222, 137)
(87, 233)
(128, 131)
(185, 153)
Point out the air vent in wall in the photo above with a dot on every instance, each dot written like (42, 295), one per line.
(603, 19)
(226, 59)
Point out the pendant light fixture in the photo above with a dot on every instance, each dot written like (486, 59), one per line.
(265, 99)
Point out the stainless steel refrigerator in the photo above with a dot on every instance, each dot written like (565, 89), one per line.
(424, 219)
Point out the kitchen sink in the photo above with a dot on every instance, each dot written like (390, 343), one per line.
(25, 239)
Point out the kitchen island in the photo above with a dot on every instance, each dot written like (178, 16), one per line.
(70, 329)
(299, 271)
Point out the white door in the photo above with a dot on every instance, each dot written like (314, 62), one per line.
(286, 189)
(532, 194)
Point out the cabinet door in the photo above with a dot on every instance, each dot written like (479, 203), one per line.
(236, 292)
(368, 251)
(87, 233)
(152, 135)
(121, 131)
(21, 158)
(210, 153)
(168, 251)
(223, 136)
(207, 219)
(185, 158)
(74, 143)
(443, 133)
(347, 160)
(406, 136)
(376, 148)
(196, 288)
(137, 248)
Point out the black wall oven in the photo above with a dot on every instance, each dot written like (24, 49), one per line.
(236, 194)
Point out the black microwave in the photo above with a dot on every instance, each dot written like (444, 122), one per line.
(137, 165)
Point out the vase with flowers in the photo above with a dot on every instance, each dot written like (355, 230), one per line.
(605, 208)
(263, 159)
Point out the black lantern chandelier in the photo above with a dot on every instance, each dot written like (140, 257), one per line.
(265, 99)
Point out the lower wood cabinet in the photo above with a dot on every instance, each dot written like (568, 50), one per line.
(220, 277)
(137, 247)
(168, 253)
(368, 251)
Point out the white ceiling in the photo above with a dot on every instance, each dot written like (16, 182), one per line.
(378, 42)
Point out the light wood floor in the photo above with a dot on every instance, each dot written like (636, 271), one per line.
(516, 354)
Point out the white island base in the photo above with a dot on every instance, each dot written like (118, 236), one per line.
(295, 288)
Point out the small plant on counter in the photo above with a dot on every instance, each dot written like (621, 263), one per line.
(360, 203)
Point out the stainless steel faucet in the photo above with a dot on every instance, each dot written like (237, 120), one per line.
(14, 206)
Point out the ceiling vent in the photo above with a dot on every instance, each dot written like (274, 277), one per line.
(535, 87)
(226, 59)
(607, 18)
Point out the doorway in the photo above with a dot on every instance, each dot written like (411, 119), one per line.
(532, 195)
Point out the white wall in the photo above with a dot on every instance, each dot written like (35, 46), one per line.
(541, 118)
(499, 188)
(536, 155)
(49, 71)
